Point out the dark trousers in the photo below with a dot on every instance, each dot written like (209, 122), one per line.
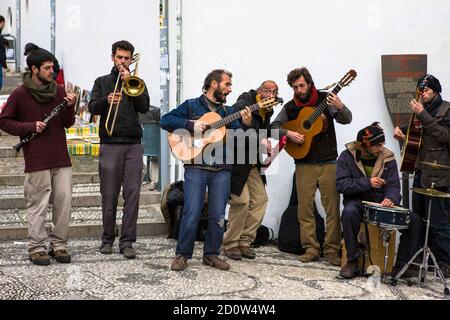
(439, 236)
(196, 182)
(120, 165)
(352, 216)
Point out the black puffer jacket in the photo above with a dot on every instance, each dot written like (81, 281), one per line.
(127, 128)
(240, 172)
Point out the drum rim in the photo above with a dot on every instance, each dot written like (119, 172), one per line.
(390, 226)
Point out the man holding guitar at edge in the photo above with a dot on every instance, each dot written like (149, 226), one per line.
(318, 168)
(213, 173)
(434, 116)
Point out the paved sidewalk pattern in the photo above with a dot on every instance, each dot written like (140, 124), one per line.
(272, 275)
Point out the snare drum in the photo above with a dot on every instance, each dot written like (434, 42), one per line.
(385, 217)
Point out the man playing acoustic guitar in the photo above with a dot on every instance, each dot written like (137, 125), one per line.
(318, 168)
(434, 116)
(210, 172)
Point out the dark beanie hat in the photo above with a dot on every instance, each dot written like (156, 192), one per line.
(429, 81)
(371, 135)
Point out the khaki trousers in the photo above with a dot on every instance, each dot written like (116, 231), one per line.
(309, 177)
(246, 212)
(41, 188)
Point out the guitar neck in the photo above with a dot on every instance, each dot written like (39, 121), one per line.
(323, 105)
(228, 119)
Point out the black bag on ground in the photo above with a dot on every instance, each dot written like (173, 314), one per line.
(289, 232)
(174, 201)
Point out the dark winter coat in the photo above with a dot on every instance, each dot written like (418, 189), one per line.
(127, 128)
(323, 147)
(241, 172)
(352, 182)
(435, 145)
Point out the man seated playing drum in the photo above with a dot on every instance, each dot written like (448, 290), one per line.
(367, 171)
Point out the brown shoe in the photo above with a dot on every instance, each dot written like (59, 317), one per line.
(215, 262)
(179, 263)
(247, 252)
(309, 256)
(40, 258)
(349, 270)
(333, 259)
(61, 255)
(233, 253)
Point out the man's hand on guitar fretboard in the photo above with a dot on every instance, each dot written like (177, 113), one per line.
(334, 101)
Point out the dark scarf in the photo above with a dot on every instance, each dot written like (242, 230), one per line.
(44, 93)
(433, 107)
(314, 96)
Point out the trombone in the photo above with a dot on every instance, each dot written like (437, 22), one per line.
(132, 86)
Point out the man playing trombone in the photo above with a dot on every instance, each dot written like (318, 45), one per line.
(118, 97)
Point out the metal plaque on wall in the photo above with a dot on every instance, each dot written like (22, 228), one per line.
(400, 74)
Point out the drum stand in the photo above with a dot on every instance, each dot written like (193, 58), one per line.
(424, 265)
(386, 234)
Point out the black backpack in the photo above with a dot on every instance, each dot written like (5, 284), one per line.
(175, 203)
(289, 232)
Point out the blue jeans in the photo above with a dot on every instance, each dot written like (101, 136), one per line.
(1, 77)
(196, 182)
(439, 237)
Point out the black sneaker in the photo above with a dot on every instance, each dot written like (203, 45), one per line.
(128, 252)
(106, 248)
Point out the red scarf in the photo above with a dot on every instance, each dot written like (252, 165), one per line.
(312, 99)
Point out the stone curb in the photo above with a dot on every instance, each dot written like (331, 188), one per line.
(78, 178)
(87, 200)
(87, 231)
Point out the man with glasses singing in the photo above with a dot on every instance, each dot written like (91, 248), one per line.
(248, 194)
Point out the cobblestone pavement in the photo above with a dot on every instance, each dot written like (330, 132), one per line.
(272, 275)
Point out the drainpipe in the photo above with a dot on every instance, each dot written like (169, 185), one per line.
(52, 26)
(18, 37)
(164, 89)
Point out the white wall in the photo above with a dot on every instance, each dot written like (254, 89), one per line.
(85, 31)
(35, 25)
(265, 39)
(4, 5)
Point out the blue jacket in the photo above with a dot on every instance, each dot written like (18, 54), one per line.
(194, 109)
(353, 183)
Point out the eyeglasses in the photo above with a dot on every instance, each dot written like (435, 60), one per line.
(267, 91)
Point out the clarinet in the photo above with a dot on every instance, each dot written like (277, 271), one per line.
(29, 137)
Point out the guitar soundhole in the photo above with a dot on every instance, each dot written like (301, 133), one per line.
(307, 125)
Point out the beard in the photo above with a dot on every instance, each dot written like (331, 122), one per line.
(220, 96)
(303, 98)
(44, 80)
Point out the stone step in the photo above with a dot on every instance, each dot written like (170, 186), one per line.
(85, 222)
(88, 230)
(84, 195)
(9, 152)
(78, 178)
(81, 215)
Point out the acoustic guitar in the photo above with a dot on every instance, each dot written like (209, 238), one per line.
(186, 146)
(309, 122)
(413, 139)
